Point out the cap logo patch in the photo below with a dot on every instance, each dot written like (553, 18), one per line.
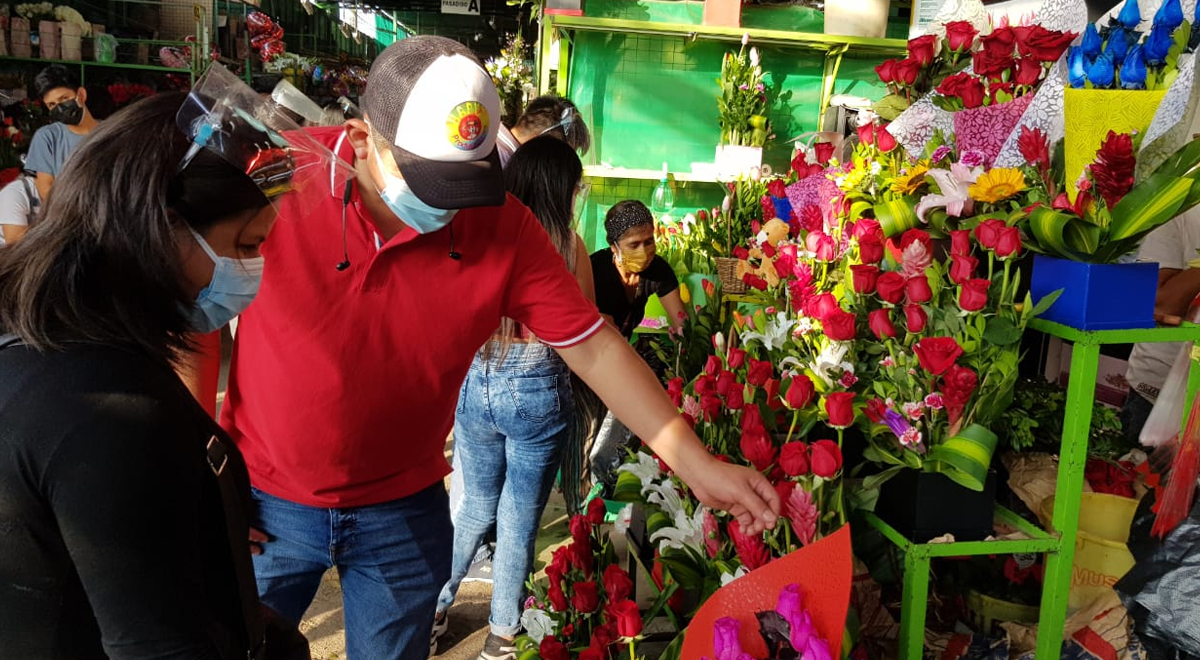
(467, 125)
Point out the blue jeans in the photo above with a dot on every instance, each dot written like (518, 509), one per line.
(511, 423)
(391, 559)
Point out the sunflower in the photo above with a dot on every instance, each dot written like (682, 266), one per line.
(997, 184)
(912, 179)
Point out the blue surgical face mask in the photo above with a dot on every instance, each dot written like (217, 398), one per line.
(234, 284)
(422, 217)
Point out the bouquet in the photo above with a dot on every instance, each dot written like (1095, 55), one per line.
(1118, 56)
(1010, 63)
(743, 103)
(512, 75)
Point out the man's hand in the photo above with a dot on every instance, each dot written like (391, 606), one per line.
(257, 538)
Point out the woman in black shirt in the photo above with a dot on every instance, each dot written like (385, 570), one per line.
(629, 271)
(121, 501)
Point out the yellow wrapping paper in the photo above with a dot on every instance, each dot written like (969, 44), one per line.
(1091, 113)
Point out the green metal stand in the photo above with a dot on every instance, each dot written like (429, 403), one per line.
(1059, 546)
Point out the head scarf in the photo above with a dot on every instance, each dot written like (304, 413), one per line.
(625, 216)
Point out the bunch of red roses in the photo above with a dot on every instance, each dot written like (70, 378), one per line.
(1010, 62)
(583, 610)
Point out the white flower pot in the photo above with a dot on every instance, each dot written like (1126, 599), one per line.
(733, 161)
(857, 18)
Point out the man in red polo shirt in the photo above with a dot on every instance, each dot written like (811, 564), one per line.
(347, 367)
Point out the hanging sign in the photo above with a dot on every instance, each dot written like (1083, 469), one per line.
(469, 7)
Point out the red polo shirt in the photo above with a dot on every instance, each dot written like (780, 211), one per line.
(343, 384)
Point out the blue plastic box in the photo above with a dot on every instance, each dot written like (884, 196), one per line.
(1096, 296)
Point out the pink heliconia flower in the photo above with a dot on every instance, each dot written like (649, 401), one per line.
(915, 259)
(712, 534)
(803, 514)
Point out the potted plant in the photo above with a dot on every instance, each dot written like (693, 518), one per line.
(743, 107)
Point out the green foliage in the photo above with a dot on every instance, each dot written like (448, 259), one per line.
(1035, 421)
(744, 103)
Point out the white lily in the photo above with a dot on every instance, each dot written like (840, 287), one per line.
(831, 357)
(665, 496)
(726, 578)
(687, 532)
(645, 469)
(537, 624)
(776, 333)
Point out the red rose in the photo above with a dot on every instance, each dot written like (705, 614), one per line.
(820, 306)
(1028, 72)
(988, 233)
(839, 406)
(752, 420)
(870, 250)
(864, 277)
(884, 140)
(737, 358)
(890, 287)
(960, 241)
(586, 597)
(581, 529)
(705, 384)
(839, 325)
(916, 236)
(794, 459)
(999, 43)
(880, 322)
(906, 71)
(866, 133)
(712, 366)
(759, 372)
(875, 410)
(867, 227)
(558, 600)
(710, 404)
(736, 398)
(951, 85)
(675, 391)
(991, 66)
(922, 49)
(826, 458)
(962, 268)
(629, 619)
(824, 152)
(772, 390)
(885, 71)
(596, 511)
(552, 649)
(777, 188)
(918, 289)
(799, 393)
(915, 318)
(974, 295)
(972, 93)
(725, 381)
(937, 354)
(591, 653)
(784, 488)
(617, 584)
(822, 245)
(604, 636)
(799, 164)
(757, 449)
(582, 557)
(1042, 45)
(960, 35)
(1008, 244)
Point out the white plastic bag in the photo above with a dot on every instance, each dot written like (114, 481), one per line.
(1166, 418)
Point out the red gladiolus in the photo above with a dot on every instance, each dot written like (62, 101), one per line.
(1034, 146)
(552, 649)
(629, 619)
(957, 388)
(988, 233)
(1009, 243)
(937, 354)
(824, 151)
(750, 549)
(675, 391)
(596, 511)
(1113, 169)
(839, 407)
(736, 398)
(999, 43)
(884, 140)
(922, 48)
(1042, 45)
(712, 366)
(915, 318)
(558, 600)
(866, 133)
(890, 287)
(794, 459)
(864, 277)
(1028, 72)
(885, 71)
(960, 241)
(960, 35)
(880, 322)
(906, 71)
(777, 188)
(839, 325)
(799, 393)
(758, 372)
(617, 584)
(870, 250)
(586, 597)
(820, 306)
(757, 449)
(826, 458)
(918, 289)
(974, 295)
(737, 358)
(962, 268)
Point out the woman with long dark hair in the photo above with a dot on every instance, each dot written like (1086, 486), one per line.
(121, 502)
(515, 411)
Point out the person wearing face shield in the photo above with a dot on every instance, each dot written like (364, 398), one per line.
(66, 100)
(124, 507)
(347, 369)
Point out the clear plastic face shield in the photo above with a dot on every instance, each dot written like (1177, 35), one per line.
(292, 169)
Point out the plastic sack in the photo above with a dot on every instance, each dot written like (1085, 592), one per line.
(1162, 590)
(106, 48)
(1167, 415)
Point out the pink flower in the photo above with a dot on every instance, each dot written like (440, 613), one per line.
(692, 407)
(954, 184)
(712, 534)
(803, 514)
(911, 438)
(887, 362)
(913, 410)
(934, 401)
(848, 380)
(790, 607)
(726, 645)
(916, 259)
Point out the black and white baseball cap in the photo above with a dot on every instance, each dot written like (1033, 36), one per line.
(437, 106)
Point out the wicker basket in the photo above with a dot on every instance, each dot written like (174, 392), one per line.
(727, 272)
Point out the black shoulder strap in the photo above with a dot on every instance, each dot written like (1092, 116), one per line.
(238, 529)
(9, 340)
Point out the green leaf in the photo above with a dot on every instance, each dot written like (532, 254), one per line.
(1002, 332)
(1046, 301)
(890, 106)
(628, 488)
(876, 480)
(1149, 205)
(1082, 236)
(675, 648)
(896, 216)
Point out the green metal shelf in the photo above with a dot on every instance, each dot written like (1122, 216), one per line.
(106, 65)
(1058, 546)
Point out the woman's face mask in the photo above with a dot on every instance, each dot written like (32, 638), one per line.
(233, 287)
(635, 260)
